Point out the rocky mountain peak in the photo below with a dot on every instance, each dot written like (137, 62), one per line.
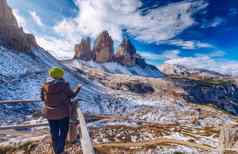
(83, 50)
(126, 48)
(103, 48)
(103, 52)
(11, 34)
(126, 54)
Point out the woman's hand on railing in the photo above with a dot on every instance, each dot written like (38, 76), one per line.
(77, 88)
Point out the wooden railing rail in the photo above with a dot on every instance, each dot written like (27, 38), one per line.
(19, 101)
(23, 126)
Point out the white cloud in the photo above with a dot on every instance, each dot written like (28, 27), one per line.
(233, 11)
(159, 24)
(59, 48)
(214, 23)
(205, 62)
(36, 18)
(217, 21)
(189, 45)
(20, 20)
(166, 55)
(213, 54)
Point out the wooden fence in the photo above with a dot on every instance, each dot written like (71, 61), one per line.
(87, 146)
(228, 139)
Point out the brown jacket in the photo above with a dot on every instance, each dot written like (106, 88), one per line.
(56, 94)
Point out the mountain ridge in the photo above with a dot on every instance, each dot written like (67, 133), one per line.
(102, 51)
(11, 34)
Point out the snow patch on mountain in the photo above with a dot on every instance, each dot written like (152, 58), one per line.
(115, 68)
(15, 64)
(180, 70)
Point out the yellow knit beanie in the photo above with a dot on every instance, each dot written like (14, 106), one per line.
(56, 72)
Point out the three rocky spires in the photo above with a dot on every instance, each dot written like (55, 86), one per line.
(102, 51)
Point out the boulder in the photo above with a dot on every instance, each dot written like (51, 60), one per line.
(127, 84)
(11, 35)
(83, 50)
(103, 48)
(139, 87)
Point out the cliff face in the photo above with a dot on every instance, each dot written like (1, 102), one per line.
(11, 34)
(126, 53)
(103, 52)
(83, 50)
(6, 14)
(103, 48)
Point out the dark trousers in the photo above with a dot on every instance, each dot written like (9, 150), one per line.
(59, 130)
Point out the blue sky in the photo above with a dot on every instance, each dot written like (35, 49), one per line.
(198, 33)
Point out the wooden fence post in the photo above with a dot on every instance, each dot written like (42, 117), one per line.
(228, 140)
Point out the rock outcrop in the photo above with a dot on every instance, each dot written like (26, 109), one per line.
(103, 52)
(126, 53)
(6, 14)
(11, 35)
(83, 50)
(204, 87)
(103, 48)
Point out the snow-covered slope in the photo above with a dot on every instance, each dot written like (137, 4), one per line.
(22, 74)
(21, 77)
(116, 68)
(183, 71)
